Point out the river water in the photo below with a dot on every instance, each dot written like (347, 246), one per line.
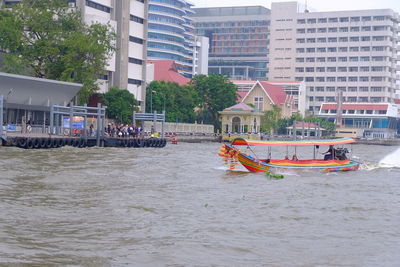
(179, 206)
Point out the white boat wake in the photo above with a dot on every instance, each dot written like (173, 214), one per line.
(391, 161)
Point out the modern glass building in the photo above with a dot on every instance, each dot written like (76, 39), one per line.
(170, 33)
(239, 40)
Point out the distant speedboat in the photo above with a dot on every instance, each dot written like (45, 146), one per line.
(334, 162)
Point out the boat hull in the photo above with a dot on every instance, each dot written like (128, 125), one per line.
(256, 165)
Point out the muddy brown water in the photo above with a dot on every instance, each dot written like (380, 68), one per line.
(179, 206)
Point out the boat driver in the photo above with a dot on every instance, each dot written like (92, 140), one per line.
(330, 153)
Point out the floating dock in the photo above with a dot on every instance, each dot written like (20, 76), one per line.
(57, 142)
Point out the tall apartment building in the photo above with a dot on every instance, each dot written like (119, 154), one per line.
(350, 51)
(170, 33)
(238, 40)
(126, 68)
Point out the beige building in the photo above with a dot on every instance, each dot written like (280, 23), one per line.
(350, 51)
(245, 117)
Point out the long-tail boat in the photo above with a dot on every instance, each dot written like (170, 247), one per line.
(336, 161)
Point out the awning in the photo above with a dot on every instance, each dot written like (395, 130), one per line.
(340, 141)
(24, 91)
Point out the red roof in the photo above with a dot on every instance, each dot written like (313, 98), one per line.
(275, 92)
(241, 95)
(356, 106)
(165, 70)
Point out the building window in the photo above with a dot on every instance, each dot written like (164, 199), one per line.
(331, 69)
(134, 81)
(103, 77)
(135, 40)
(135, 61)
(98, 6)
(137, 19)
(259, 102)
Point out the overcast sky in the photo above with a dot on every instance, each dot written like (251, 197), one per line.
(314, 5)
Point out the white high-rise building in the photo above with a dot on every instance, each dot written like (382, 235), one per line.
(350, 51)
(126, 69)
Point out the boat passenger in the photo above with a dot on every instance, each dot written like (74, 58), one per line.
(286, 157)
(294, 158)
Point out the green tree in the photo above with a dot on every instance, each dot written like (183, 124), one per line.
(329, 126)
(47, 39)
(270, 119)
(120, 104)
(213, 93)
(177, 101)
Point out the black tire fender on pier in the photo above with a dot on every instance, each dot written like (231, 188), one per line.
(54, 143)
(131, 143)
(140, 142)
(22, 142)
(75, 142)
(63, 142)
(49, 143)
(36, 143)
(29, 143)
(43, 142)
(14, 141)
(68, 141)
(82, 143)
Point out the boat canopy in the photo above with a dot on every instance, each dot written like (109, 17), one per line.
(340, 141)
